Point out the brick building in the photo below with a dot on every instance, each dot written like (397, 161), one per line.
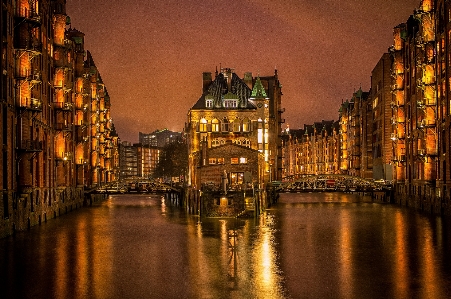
(239, 116)
(312, 150)
(159, 138)
(56, 130)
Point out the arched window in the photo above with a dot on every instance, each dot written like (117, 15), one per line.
(246, 125)
(236, 125)
(203, 125)
(225, 125)
(215, 125)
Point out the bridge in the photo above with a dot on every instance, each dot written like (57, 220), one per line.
(136, 186)
(332, 182)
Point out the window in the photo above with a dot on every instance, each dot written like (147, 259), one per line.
(246, 125)
(208, 103)
(236, 178)
(231, 103)
(236, 125)
(212, 161)
(243, 160)
(203, 125)
(225, 125)
(220, 160)
(234, 160)
(215, 125)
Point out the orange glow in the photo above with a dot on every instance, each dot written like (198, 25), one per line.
(79, 157)
(429, 95)
(400, 81)
(399, 96)
(79, 118)
(59, 78)
(60, 146)
(397, 38)
(59, 29)
(428, 74)
(426, 5)
(428, 28)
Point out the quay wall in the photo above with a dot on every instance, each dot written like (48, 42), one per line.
(35, 206)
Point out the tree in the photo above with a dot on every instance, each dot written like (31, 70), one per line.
(173, 160)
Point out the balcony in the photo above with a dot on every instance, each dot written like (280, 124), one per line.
(32, 104)
(30, 146)
(28, 44)
(425, 123)
(30, 16)
(63, 127)
(81, 161)
(63, 106)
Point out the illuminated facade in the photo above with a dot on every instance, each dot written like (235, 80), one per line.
(137, 160)
(312, 150)
(47, 116)
(237, 115)
(415, 131)
(159, 138)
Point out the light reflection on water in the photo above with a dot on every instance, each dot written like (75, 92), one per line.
(328, 245)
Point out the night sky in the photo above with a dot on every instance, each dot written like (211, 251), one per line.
(151, 53)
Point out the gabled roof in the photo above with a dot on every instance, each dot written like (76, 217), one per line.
(218, 89)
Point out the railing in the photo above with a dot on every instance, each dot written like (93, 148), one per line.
(63, 127)
(30, 145)
(32, 104)
(63, 106)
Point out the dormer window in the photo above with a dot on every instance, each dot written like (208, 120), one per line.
(230, 103)
(209, 103)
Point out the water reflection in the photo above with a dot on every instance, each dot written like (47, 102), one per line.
(328, 245)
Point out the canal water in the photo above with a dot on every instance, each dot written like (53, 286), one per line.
(309, 245)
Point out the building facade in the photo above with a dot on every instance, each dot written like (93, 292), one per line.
(159, 138)
(138, 160)
(402, 126)
(57, 134)
(315, 149)
(240, 116)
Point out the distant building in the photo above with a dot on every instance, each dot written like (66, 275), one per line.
(137, 160)
(159, 138)
(311, 150)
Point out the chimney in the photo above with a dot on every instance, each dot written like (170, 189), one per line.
(206, 81)
(248, 79)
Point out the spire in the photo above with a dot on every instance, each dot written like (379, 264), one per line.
(258, 91)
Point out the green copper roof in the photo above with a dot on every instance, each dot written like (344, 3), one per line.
(258, 91)
(230, 96)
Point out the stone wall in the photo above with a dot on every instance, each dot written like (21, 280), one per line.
(37, 205)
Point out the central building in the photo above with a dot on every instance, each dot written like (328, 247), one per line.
(233, 131)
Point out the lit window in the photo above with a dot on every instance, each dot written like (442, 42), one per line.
(208, 103)
(234, 160)
(215, 125)
(243, 160)
(246, 125)
(203, 125)
(236, 125)
(212, 161)
(220, 160)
